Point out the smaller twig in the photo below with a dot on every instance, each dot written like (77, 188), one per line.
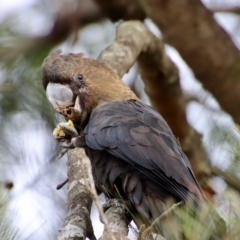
(142, 228)
(62, 153)
(59, 186)
(228, 177)
(92, 190)
(157, 221)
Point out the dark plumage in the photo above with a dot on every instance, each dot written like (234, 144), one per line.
(139, 154)
(134, 154)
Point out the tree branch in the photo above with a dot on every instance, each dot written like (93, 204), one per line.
(204, 45)
(81, 192)
(116, 215)
(77, 224)
(94, 195)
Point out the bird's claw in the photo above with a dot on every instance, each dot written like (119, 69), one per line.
(67, 135)
(62, 153)
(65, 131)
(68, 129)
(75, 142)
(66, 144)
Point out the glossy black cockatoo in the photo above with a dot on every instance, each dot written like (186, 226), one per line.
(134, 154)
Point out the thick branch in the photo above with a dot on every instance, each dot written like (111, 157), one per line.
(77, 224)
(203, 44)
(133, 41)
(117, 221)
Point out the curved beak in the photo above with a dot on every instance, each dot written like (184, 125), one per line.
(62, 99)
(60, 96)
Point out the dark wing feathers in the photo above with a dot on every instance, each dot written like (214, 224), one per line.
(134, 132)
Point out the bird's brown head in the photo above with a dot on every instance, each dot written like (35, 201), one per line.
(76, 85)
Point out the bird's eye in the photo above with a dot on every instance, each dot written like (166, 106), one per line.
(79, 80)
(80, 77)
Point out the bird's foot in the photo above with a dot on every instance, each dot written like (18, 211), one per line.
(65, 130)
(67, 135)
(75, 142)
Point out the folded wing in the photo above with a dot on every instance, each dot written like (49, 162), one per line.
(137, 134)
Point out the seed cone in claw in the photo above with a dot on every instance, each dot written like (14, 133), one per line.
(60, 132)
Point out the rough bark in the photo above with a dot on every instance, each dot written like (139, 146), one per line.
(77, 224)
(81, 193)
(204, 45)
(133, 41)
(117, 222)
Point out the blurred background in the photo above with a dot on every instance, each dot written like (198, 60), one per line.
(30, 206)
